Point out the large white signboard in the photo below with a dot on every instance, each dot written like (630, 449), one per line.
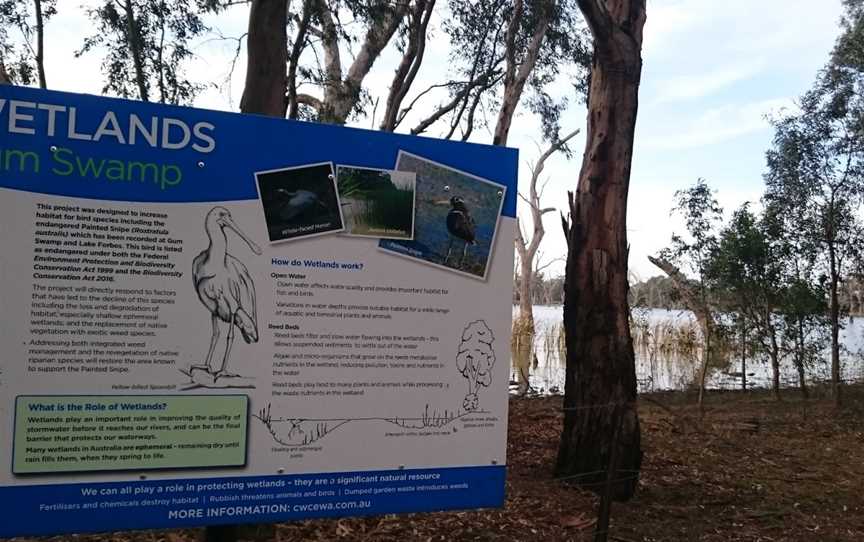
(214, 318)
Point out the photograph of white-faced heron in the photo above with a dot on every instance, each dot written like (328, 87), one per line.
(300, 201)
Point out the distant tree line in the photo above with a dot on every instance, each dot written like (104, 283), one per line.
(660, 292)
(545, 290)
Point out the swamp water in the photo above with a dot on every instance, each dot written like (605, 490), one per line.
(668, 357)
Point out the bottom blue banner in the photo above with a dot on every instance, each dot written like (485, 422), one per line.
(150, 504)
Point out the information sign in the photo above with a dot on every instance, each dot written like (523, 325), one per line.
(219, 318)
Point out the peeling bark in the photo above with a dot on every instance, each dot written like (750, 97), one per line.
(601, 420)
(834, 315)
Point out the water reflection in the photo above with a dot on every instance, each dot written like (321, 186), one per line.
(668, 350)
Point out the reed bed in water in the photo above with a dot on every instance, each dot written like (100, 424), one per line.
(668, 353)
(666, 339)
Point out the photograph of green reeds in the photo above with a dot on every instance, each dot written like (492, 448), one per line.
(377, 202)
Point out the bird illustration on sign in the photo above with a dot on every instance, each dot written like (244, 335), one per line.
(226, 289)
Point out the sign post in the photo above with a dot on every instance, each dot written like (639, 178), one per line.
(214, 319)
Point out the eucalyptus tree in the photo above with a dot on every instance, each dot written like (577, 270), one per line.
(816, 173)
(264, 91)
(692, 255)
(804, 333)
(527, 247)
(502, 48)
(23, 60)
(528, 244)
(802, 320)
(145, 45)
(600, 441)
(498, 50)
(296, 62)
(748, 269)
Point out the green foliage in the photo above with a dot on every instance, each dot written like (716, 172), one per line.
(478, 29)
(357, 182)
(743, 262)
(702, 215)
(145, 44)
(387, 209)
(18, 37)
(381, 204)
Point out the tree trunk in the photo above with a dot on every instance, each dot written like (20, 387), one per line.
(293, 59)
(834, 315)
(695, 300)
(601, 372)
(703, 372)
(526, 275)
(802, 382)
(799, 359)
(4, 75)
(133, 38)
(341, 95)
(40, 45)
(774, 353)
(743, 354)
(412, 59)
(691, 297)
(267, 54)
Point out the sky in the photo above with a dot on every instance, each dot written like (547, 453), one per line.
(712, 72)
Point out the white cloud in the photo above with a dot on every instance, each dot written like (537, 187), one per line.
(701, 29)
(686, 87)
(716, 125)
(668, 19)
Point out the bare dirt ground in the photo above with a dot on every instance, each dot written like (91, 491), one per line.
(751, 470)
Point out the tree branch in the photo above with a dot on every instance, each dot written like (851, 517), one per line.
(515, 78)
(332, 58)
(598, 18)
(311, 101)
(410, 63)
(4, 75)
(294, 57)
(451, 105)
(40, 45)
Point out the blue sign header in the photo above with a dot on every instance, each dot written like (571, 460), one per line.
(103, 148)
